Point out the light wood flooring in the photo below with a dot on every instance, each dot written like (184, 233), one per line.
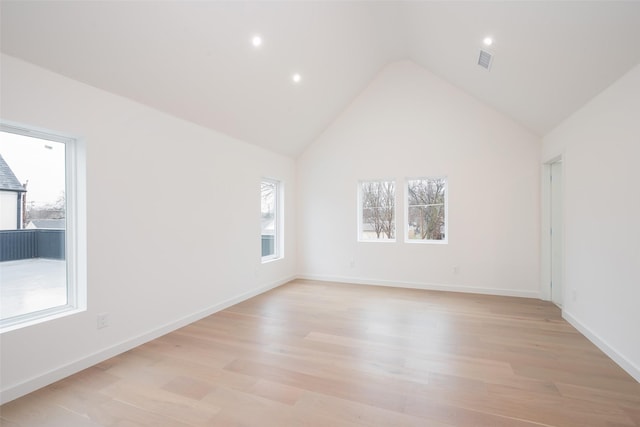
(333, 355)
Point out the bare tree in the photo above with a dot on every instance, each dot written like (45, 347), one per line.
(55, 210)
(378, 207)
(61, 202)
(426, 207)
(267, 192)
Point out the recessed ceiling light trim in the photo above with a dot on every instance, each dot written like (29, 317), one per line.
(296, 78)
(256, 40)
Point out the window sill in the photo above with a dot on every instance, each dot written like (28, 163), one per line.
(31, 319)
(426, 242)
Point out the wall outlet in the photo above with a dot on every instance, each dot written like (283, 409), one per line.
(352, 263)
(456, 269)
(103, 320)
(574, 295)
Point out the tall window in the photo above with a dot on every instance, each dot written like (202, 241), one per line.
(377, 211)
(271, 198)
(42, 247)
(426, 210)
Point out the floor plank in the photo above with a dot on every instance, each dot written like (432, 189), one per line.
(327, 354)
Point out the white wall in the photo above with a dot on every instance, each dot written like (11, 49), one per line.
(173, 223)
(410, 123)
(173, 210)
(600, 145)
(8, 210)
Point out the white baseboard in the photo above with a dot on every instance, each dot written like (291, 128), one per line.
(422, 285)
(616, 356)
(28, 386)
(35, 383)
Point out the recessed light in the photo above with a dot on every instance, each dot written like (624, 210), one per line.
(488, 41)
(256, 41)
(296, 78)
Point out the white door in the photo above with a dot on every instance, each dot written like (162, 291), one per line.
(556, 233)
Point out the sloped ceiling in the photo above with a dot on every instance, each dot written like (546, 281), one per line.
(194, 59)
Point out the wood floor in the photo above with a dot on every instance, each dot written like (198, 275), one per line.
(332, 355)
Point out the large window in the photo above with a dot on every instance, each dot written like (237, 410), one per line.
(42, 227)
(271, 219)
(377, 211)
(426, 210)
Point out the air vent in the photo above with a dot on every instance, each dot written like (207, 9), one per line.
(485, 59)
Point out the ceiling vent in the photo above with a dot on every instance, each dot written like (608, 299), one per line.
(485, 59)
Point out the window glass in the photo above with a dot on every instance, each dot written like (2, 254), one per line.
(270, 218)
(426, 210)
(37, 276)
(377, 207)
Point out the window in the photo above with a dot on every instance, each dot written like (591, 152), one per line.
(377, 211)
(271, 219)
(42, 226)
(426, 210)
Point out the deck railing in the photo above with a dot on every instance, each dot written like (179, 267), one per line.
(32, 243)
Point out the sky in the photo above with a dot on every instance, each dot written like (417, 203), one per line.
(37, 160)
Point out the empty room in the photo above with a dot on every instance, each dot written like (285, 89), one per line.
(319, 213)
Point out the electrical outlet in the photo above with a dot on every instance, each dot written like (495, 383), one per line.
(574, 295)
(352, 263)
(103, 320)
(456, 269)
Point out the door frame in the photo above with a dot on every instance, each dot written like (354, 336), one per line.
(545, 228)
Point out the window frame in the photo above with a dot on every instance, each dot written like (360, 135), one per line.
(75, 231)
(446, 211)
(278, 247)
(360, 211)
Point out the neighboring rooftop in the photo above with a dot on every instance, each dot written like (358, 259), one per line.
(54, 224)
(8, 180)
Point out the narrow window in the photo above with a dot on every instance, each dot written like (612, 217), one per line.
(377, 211)
(271, 218)
(426, 210)
(41, 238)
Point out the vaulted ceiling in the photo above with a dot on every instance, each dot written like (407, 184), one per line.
(195, 59)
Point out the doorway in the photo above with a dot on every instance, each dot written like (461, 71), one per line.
(556, 232)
